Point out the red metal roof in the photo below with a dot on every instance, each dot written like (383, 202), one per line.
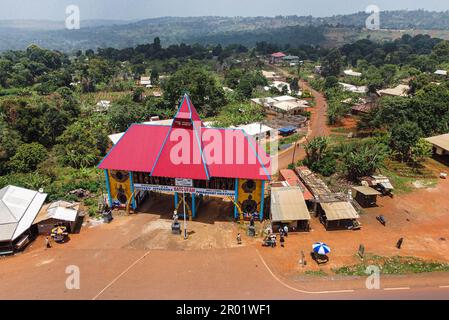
(293, 180)
(278, 55)
(191, 152)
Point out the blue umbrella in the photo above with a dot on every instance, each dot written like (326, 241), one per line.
(321, 248)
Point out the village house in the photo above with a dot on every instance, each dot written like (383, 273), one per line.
(282, 105)
(441, 73)
(353, 88)
(440, 144)
(352, 73)
(399, 91)
(145, 82)
(272, 76)
(277, 58)
(291, 60)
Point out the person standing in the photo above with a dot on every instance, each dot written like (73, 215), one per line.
(286, 230)
(47, 243)
(282, 240)
(239, 239)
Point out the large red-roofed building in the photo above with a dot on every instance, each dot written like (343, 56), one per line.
(187, 158)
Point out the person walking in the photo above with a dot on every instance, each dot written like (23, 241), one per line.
(47, 243)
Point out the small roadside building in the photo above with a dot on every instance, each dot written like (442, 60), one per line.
(57, 213)
(365, 196)
(288, 207)
(440, 144)
(18, 209)
(337, 215)
(335, 210)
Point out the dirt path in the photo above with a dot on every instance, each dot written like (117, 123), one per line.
(317, 125)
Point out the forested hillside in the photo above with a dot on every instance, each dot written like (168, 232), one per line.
(294, 30)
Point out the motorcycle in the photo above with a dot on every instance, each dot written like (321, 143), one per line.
(269, 241)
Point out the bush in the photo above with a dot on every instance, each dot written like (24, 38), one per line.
(28, 157)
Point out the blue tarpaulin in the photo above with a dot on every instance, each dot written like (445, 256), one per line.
(287, 130)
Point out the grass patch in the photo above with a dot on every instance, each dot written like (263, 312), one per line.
(393, 266)
(403, 177)
(319, 273)
(342, 130)
(291, 139)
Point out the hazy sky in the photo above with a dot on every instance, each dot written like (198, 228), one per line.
(140, 9)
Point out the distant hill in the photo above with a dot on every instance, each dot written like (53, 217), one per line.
(18, 34)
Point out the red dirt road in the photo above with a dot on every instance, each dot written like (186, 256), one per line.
(317, 125)
(115, 262)
(207, 274)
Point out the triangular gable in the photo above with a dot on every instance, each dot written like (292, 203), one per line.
(183, 140)
(187, 112)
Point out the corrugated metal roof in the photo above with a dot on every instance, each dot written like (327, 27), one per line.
(60, 210)
(339, 211)
(18, 208)
(288, 204)
(293, 181)
(367, 191)
(441, 141)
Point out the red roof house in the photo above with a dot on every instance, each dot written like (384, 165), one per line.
(187, 149)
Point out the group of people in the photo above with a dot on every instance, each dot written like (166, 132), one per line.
(271, 237)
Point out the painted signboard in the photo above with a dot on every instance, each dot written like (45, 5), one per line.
(180, 189)
(184, 182)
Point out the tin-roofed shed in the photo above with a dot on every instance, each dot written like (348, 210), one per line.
(288, 207)
(366, 196)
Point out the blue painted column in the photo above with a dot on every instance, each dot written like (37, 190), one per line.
(131, 182)
(236, 198)
(176, 200)
(108, 187)
(262, 201)
(193, 206)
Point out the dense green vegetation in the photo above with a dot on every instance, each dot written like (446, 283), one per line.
(50, 124)
(283, 30)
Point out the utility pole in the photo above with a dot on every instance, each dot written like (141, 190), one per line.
(294, 153)
(185, 216)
